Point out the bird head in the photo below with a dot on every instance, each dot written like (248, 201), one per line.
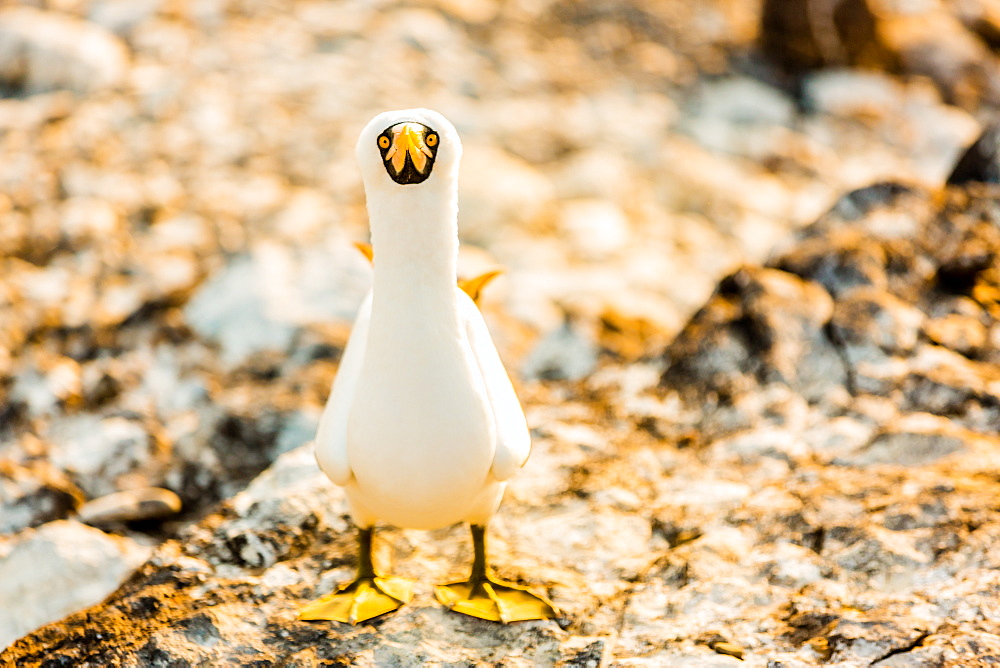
(408, 148)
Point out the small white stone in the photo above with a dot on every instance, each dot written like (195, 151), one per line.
(739, 115)
(42, 388)
(794, 566)
(749, 447)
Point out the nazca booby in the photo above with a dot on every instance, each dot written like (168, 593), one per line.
(422, 427)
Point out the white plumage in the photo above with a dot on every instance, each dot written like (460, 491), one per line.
(422, 426)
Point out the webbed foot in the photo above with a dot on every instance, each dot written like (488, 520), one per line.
(495, 600)
(486, 597)
(368, 596)
(361, 600)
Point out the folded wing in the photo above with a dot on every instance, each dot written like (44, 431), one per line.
(513, 439)
(331, 438)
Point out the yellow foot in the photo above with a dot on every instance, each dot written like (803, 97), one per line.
(495, 600)
(361, 600)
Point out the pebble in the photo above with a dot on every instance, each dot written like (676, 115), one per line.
(739, 115)
(150, 503)
(851, 92)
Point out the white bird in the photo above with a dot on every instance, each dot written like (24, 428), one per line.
(422, 427)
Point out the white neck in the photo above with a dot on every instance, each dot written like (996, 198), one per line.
(415, 241)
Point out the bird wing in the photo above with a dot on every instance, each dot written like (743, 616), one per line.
(513, 439)
(331, 438)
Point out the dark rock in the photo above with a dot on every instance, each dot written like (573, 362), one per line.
(840, 263)
(801, 35)
(911, 313)
(592, 655)
(804, 626)
(245, 445)
(806, 34)
(223, 455)
(761, 326)
(870, 323)
(981, 162)
(151, 654)
(201, 630)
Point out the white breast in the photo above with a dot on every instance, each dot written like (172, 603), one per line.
(421, 437)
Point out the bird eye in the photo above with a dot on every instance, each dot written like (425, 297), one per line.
(383, 142)
(432, 139)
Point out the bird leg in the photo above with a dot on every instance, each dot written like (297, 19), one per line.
(368, 596)
(487, 597)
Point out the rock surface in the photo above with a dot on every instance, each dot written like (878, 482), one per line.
(805, 479)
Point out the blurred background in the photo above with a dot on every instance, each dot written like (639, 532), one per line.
(178, 200)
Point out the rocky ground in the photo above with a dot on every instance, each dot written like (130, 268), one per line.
(792, 465)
